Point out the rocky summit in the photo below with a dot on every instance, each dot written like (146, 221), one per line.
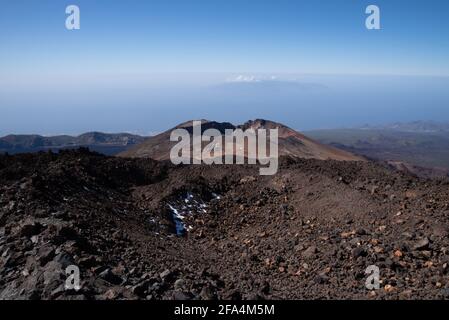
(290, 142)
(142, 229)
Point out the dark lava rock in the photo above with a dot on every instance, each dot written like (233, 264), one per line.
(359, 252)
(321, 279)
(141, 289)
(45, 254)
(64, 259)
(29, 229)
(178, 295)
(110, 277)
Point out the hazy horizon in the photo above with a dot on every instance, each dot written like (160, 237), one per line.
(141, 105)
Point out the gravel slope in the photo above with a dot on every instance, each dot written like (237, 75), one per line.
(308, 232)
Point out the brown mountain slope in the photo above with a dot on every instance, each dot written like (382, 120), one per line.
(290, 142)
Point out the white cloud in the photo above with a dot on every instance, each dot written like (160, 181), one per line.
(251, 78)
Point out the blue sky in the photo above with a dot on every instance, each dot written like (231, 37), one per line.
(137, 55)
(326, 36)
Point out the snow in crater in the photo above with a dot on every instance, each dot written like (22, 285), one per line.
(177, 218)
(187, 205)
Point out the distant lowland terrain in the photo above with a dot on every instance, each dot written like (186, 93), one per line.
(421, 146)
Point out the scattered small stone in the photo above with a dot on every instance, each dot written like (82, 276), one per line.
(179, 284)
(165, 274)
(421, 244)
(207, 293)
(389, 288)
(398, 254)
(347, 234)
(310, 251)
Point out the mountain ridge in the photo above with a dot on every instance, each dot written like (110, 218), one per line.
(105, 142)
(291, 142)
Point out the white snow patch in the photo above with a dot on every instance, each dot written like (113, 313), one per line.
(177, 218)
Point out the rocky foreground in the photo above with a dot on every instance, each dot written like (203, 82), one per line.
(141, 229)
